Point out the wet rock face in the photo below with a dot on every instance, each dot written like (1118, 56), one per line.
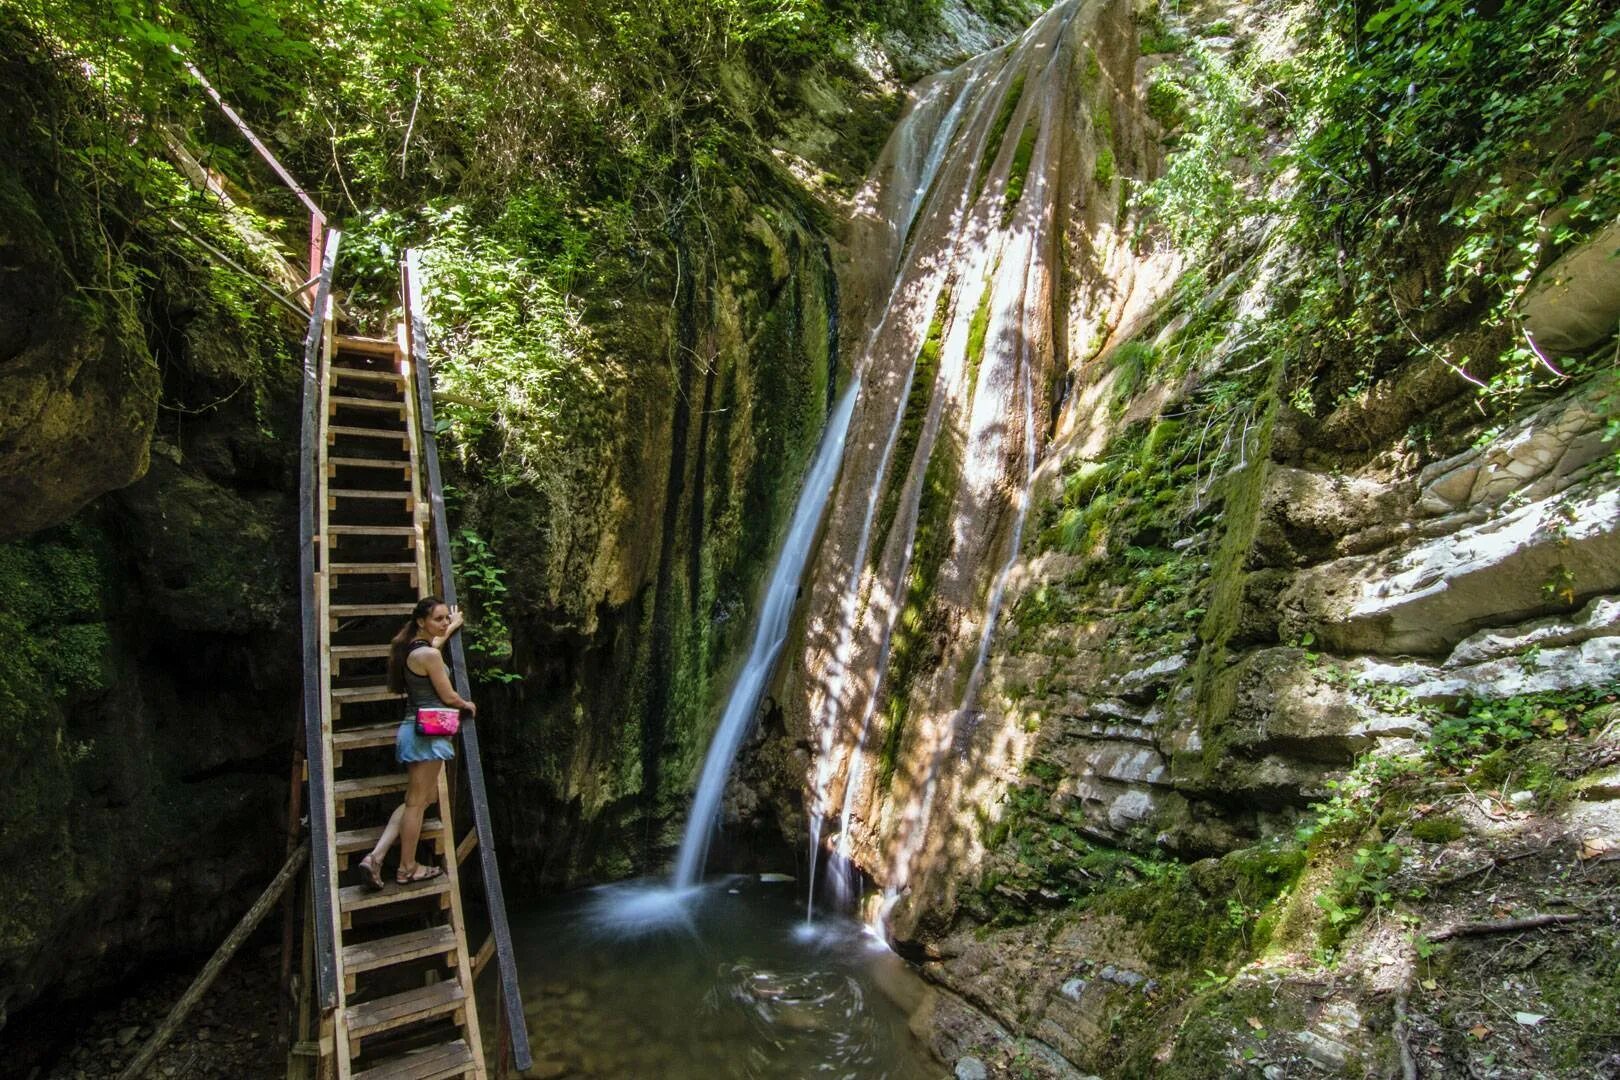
(147, 588)
(1483, 535)
(78, 389)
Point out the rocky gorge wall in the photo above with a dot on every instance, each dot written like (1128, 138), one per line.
(1230, 594)
(150, 448)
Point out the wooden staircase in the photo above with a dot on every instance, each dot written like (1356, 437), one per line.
(389, 972)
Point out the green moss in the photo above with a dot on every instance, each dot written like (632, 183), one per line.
(923, 374)
(1581, 983)
(57, 654)
(1437, 830)
(1131, 363)
(1102, 170)
(914, 648)
(978, 331)
(998, 132)
(1214, 681)
(1019, 174)
(1167, 103)
(1199, 917)
(1155, 37)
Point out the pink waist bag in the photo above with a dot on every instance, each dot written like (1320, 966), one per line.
(438, 721)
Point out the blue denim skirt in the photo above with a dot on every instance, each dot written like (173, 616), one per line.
(409, 746)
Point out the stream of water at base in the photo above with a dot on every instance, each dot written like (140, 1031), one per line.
(720, 981)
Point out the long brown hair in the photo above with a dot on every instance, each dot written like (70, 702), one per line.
(399, 647)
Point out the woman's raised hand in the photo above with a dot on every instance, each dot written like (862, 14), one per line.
(456, 620)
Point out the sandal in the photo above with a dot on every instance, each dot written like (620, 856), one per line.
(423, 872)
(373, 874)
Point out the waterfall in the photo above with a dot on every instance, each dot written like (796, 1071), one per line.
(1024, 290)
(962, 238)
(903, 145)
(770, 633)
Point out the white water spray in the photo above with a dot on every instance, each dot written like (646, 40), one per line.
(770, 633)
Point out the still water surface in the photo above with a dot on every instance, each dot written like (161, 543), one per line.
(724, 980)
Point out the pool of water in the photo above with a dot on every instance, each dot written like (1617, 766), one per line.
(638, 981)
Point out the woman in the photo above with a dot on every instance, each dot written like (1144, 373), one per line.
(416, 669)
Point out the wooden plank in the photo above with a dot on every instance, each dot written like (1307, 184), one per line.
(465, 848)
(511, 996)
(349, 611)
(413, 426)
(411, 1006)
(367, 786)
(369, 735)
(399, 949)
(354, 695)
(403, 464)
(440, 1062)
(335, 430)
(464, 972)
(360, 652)
(373, 568)
(340, 1060)
(485, 951)
(393, 378)
(351, 840)
(353, 898)
(354, 343)
(408, 531)
(408, 497)
(348, 401)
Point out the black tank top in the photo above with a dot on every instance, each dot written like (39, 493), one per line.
(419, 691)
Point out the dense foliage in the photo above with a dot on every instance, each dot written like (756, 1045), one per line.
(1439, 154)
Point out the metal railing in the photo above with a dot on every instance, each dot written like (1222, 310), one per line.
(320, 839)
(511, 1001)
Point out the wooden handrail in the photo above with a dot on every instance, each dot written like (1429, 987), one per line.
(500, 932)
(320, 841)
(317, 218)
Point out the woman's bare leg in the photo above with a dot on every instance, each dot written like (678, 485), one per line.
(390, 833)
(421, 790)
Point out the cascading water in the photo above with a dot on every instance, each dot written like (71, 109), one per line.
(769, 635)
(1023, 289)
(905, 141)
(963, 242)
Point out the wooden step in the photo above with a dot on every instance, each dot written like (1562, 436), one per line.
(335, 402)
(368, 374)
(403, 463)
(364, 787)
(441, 1062)
(364, 736)
(349, 841)
(408, 531)
(349, 611)
(334, 493)
(400, 949)
(361, 652)
(334, 430)
(352, 898)
(333, 568)
(354, 695)
(410, 1007)
(370, 346)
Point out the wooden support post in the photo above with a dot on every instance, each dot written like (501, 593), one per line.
(289, 905)
(503, 1044)
(216, 964)
(301, 1061)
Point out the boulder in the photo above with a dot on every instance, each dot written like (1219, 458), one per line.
(1427, 597)
(1575, 302)
(78, 387)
